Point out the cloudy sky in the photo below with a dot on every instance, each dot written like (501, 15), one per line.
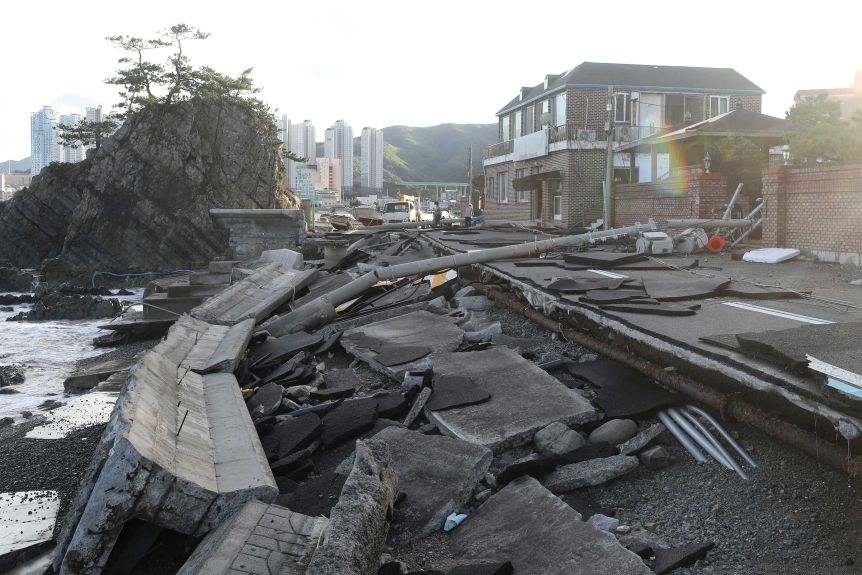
(380, 63)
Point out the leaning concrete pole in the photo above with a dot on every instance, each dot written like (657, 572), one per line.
(318, 312)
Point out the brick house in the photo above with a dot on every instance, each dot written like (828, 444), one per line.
(551, 157)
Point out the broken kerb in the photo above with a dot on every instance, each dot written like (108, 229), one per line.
(180, 452)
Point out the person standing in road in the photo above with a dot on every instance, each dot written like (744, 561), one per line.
(468, 215)
(438, 215)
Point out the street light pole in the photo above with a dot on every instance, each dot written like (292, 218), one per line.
(609, 165)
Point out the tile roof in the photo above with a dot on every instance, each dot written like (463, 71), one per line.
(640, 77)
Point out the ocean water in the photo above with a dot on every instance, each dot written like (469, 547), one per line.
(47, 351)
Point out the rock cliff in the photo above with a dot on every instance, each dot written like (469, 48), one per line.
(141, 202)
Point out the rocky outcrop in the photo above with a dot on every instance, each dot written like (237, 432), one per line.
(142, 201)
(57, 305)
(13, 279)
(34, 222)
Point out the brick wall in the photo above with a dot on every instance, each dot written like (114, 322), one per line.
(687, 193)
(816, 210)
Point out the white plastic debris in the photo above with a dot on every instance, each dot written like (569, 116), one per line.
(453, 521)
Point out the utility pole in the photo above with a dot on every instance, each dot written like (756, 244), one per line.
(470, 177)
(609, 166)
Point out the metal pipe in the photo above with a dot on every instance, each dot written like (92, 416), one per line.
(681, 437)
(712, 421)
(732, 201)
(322, 310)
(694, 434)
(753, 227)
(715, 443)
(730, 405)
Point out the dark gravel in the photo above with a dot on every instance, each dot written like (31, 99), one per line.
(53, 464)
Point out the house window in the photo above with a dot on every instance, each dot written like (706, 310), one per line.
(504, 129)
(503, 187)
(560, 109)
(521, 194)
(558, 207)
(489, 185)
(718, 105)
(516, 120)
(530, 120)
(622, 108)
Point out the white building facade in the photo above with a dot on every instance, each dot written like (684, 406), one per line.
(338, 144)
(44, 148)
(371, 165)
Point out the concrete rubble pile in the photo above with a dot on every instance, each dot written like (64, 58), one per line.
(410, 416)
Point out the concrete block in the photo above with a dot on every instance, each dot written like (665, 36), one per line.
(360, 520)
(438, 475)
(237, 544)
(588, 473)
(549, 537)
(286, 258)
(209, 279)
(524, 399)
(252, 231)
(222, 266)
(93, 375)
(557, 439)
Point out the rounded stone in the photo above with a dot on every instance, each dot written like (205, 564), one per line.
(615, 431)
(557, 439)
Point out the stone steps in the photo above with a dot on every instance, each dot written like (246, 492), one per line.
(162, 306)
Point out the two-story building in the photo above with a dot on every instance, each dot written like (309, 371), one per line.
(552, 155)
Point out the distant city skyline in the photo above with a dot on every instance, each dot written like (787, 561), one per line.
(460, 64)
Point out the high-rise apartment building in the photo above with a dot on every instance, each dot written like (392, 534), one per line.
(371, 161)
(71, 153)
(329, 176)
(339, 144)
(44, 148)
(300, 140)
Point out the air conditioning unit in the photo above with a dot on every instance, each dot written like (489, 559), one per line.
(624, 134)
(586, 135)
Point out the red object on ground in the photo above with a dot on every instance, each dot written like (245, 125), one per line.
(716, 244)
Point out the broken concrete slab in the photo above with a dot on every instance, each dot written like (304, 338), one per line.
(589, 473)
(259, 539)
(641, 440)
(317, 496)
(347, 420)
(557, 439)
(622, 391)
(290, 434)
(666, 560)
(605, 296)
(514, 413)
(649, 308)
(602, 260)
(583, 285)
(180, 452)
(275, 349)
(256, 296)
(92, 375)
(677, 288)
(204, 347)
(550, 539)
(438, 475)
(454, 391)
(325, 283)
(417, 407)
(416, 329)
(495, 568)
(360, 520)
(265, 401)
(581, 501)
(286, 258)
(400, 354)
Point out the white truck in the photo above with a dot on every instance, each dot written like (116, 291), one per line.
(403, 210)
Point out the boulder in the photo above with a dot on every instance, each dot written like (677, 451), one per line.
(655, 457)
(13, 279)
(57, 306)
(615, 431)
(11, 375)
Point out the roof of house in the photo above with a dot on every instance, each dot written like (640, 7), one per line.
(737, 122)
(640, 77)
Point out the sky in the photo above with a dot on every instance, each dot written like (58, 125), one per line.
(381, 63)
